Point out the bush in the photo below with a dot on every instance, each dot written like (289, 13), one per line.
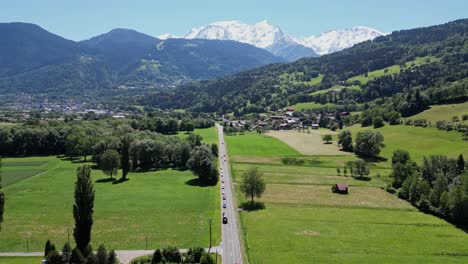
(390, 189)
(378, 122)
(292, 161)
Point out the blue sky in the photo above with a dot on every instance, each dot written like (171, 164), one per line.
(82, 19)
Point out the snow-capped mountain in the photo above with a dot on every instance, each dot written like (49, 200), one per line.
(262, 34)
(337, 40)
(270, 37)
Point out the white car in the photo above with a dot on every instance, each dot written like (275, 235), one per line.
(222, 186)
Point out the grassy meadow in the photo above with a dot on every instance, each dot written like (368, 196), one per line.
(443, 112)
(208, 134)
(20, 260)
(304, 222)
(162, 207)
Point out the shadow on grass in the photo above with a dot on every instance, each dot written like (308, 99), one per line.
(121, 180)
(196, 182)
(106, 180)
(249, 207)
(362, 178)
(375, 159)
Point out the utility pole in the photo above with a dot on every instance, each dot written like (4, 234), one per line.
(146, 242)
(27, 244)
(210, 236)
(68, 235)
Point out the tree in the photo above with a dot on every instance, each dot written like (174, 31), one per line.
(126, 144)
(214, 150)
(206, 258)
(461, 162)
(54, 257)
(112, 257)
(253, 184)
(400, 156)
(66, 253)
(194, 140)
(369, 143)
(77, 257)
(393, 117)
(202, 165)
(101, 255)
(361, 168)
(327, 138)
(83, 208)
(157, 257)
(378, 122)
(110, 162)
(49, 247)
(345, 140)
(338, 171)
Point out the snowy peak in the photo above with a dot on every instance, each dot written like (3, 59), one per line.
(261, 34)
(337, 40)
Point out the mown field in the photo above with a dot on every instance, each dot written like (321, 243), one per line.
(443, 112)
(161, 207)
(20, 260)
(208, 134)
(304, 222)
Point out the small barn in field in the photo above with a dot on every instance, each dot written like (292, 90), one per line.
(340, 188)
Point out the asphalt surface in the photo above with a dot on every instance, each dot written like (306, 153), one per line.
(230, 241)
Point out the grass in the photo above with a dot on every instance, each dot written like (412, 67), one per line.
(20, 260)
(309, 143)
(157, 205)
(443, 112)
(303, 222)
(253, 144)
(15, 170)
(310, 106)
(419, 141)
(394, 69)
(337, 87)
(208, 134)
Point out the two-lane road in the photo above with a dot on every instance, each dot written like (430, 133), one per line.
(230, 232)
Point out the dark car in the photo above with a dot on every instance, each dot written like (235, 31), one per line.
(224, 205)
(225, 220)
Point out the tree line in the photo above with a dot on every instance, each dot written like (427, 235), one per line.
(438, 186)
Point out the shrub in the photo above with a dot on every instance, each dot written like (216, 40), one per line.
(378, 122)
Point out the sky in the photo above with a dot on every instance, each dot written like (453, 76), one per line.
(83, 19)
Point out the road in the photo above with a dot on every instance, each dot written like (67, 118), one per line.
(230, 241)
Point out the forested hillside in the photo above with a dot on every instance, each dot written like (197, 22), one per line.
(33, 60)
(424, 64)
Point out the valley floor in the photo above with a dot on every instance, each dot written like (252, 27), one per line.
(304, 222)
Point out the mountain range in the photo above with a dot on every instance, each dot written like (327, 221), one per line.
(34, 60)
(272, 38)
(423, 64)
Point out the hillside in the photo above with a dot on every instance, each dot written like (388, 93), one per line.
(33, 60)
(432, 59)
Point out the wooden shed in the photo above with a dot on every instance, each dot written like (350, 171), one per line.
(341, 188)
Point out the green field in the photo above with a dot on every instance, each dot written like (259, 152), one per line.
(394, 69)
(253, 144)
(310, 106)
(208, 134)
(303, 222)
(157, 205)
(443, 112)
(337, 87)
(20, 260)
(419, 141)
(15, 170)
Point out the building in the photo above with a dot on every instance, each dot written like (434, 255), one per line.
(340, 188)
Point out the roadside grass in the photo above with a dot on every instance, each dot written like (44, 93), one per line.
(418, 141)
(208, 134)
(304, 222)
(157, 205)
(254, 144)
(443, 112)
(20, 260)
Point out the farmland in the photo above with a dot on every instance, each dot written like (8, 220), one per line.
(443, 112)
(303, 222)
(161, 207)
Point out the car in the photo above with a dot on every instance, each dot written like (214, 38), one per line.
(223, 191)
(224, 205)
(222, 181)
(224, 197)
(225, 220)
(222, 186)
